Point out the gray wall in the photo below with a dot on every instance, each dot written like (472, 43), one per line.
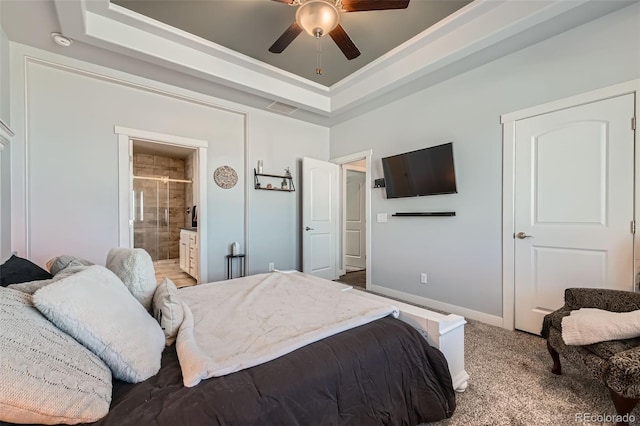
(274, 218)
(462, 255)
(70, 155)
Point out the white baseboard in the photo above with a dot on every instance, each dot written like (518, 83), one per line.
(434, 304)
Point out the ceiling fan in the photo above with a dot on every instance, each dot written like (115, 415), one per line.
(321, 17)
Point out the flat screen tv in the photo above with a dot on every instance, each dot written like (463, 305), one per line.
(427, 171)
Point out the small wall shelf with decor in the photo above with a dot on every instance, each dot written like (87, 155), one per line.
(268, 183)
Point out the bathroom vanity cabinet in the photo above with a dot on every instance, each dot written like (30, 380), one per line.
(189, 251)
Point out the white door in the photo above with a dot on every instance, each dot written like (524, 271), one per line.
(319, 217)
(573, 205)
(355, 221)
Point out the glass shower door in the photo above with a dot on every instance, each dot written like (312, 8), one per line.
(151, 217)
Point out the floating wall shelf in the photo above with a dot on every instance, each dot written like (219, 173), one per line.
(416, 214)
(275, 186)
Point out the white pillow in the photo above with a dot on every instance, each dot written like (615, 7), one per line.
(46, 376)
(94, 307)
(135, 268)
(167, 309)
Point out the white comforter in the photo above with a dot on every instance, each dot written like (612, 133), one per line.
(240, 323)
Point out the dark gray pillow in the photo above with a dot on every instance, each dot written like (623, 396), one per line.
(19, 270)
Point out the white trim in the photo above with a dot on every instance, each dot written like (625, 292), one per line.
(127, 83)
(144, 135)
(124, 191)
(203, 222)
(248, 187)
(435, 304)
(125, 186)
(5, 134)
(508, 178)
(366, 155)
(479, 26)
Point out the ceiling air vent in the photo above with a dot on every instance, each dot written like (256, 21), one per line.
(282, 108)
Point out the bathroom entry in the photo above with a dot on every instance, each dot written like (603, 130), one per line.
(355, 223)
(164, 206)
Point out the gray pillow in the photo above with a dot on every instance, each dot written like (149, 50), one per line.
(46, 376)
(167, 309)
(135, 268)
(97, 310)
(57, 264)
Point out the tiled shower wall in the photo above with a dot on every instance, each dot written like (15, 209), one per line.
(153, 234)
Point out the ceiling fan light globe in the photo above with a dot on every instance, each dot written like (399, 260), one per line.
(317, 17)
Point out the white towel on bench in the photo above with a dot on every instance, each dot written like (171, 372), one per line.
(589, 325)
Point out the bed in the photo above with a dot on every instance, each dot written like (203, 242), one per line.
(386, 371)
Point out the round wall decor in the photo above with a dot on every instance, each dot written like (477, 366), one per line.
(225, 177)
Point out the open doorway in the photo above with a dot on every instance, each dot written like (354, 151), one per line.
(165, 208)
(355, 224)
(355, 227)
(162, 205)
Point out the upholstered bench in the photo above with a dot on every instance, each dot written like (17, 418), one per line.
(616, 364)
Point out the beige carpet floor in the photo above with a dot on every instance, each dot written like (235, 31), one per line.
(511, 384)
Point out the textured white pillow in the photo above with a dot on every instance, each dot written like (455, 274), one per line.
(94, 307)
(167, 308)
(135, 268)
(46, 376)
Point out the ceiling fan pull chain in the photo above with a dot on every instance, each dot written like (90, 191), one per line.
(318, 55)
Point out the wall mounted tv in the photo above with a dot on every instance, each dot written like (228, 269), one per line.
(427, 171)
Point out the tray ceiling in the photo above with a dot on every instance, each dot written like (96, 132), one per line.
(251, 26)
(231, 67)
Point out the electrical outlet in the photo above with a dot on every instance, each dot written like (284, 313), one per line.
(272, 266)
(423, 278)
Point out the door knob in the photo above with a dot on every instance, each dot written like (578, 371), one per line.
(522, 235)
(306, 228)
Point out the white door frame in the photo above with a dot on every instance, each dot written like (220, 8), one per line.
(362, 155)
(508, 180)
(125, 185)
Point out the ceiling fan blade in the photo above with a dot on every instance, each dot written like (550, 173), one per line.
(286, 38)
(364, 5)
(344, 42)
(284, 1)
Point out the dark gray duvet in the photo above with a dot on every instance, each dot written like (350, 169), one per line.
(381, 373)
